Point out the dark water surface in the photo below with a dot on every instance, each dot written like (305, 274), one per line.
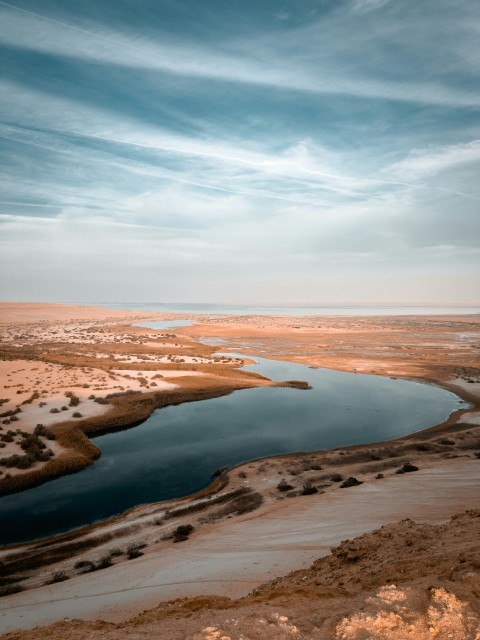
(175, 451)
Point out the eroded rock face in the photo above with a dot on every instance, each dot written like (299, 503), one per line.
(274, 625)
(406, 614)
(393, 613)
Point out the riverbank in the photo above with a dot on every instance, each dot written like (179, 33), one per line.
(270, 516)
(68, 373)
(81, 371)
(231, 553)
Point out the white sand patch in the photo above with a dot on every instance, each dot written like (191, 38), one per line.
(152, 375)
(34, 414)
(45, 386)
(165, 344)
(472, 417)
(48, 383)
(165, 359)
(138, 359)
(471, 387)
(135, 378)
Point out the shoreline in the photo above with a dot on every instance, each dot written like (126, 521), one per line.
(125, 404)
(220, 559)
(247, 498)
(127, 411)
(220, 482)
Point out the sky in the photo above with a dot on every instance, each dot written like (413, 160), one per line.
(240, 151)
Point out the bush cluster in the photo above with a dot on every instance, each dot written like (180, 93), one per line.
(74, 400)
(284, 486)
(182, 532)
(35, 449)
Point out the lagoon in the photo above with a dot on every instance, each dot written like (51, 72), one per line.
(174, 452)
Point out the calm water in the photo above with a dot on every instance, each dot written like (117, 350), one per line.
(164, 324)
(175, 451)
(213, 309)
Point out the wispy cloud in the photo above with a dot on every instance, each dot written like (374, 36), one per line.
(426, 162)
(300, 152)
(286, 68)
(368, 5)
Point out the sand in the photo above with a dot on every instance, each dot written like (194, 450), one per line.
(235, 556)
(53, 351)
(229, 555)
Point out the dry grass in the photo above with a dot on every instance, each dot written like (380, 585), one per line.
(201, 506)
(242, 504)
(127, 411)
(29, 560)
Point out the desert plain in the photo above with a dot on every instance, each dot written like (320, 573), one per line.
(283, 547)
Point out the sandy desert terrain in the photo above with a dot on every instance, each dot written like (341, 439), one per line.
(263, 519)
(88, 371)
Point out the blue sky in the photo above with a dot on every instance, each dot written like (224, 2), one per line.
(267, 151)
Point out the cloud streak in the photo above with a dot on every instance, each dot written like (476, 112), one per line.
(299, 153)
(277, 69)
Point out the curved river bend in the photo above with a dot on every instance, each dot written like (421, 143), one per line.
(174, 452)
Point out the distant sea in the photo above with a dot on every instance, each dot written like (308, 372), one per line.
(241, 310)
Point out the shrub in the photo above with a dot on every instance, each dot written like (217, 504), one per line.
(85, 566)
(10, 589)
(182, 532)
(336, 477)
(242, 504)
(35, 395)
(58, 576)
(422, 446)
(133, 550)
(74, 401)
(24, 462)
(350, 482)
(103, 563)
(205, 504)
(309, 489)
(284, 486)
(407, 468)
(218, 472)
